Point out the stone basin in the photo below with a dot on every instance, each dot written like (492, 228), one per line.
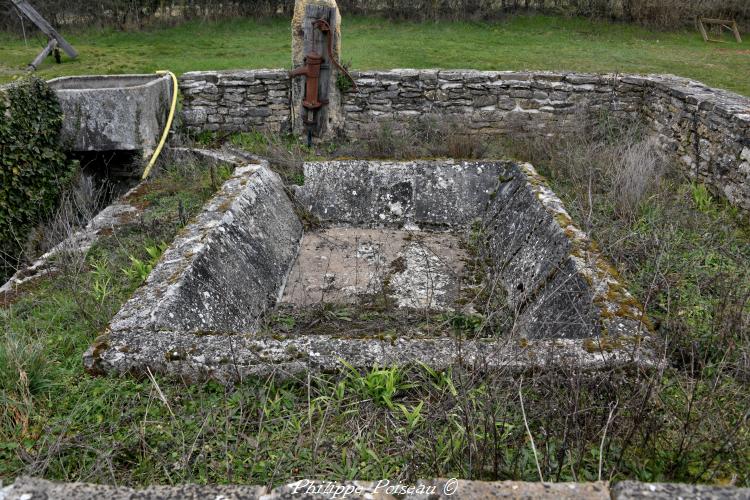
(431, 243)
(113, 112)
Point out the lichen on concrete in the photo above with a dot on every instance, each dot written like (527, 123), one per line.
(435, 192)
(341, 264)
(224, 270)
(555, 275)
(113, 113)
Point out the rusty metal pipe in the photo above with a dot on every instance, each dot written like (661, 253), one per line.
(325, 28)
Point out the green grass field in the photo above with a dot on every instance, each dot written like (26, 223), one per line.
(537, 42)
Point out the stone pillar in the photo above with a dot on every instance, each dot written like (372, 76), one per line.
(307, 39)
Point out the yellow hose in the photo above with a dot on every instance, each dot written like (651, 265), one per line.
(165, 134)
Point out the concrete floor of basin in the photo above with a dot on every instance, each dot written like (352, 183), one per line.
(381, 282)
(417, 269)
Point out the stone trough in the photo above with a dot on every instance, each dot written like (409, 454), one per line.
(430, 239)
(113, 113)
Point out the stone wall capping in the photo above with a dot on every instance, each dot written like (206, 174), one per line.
(549, 76)
(582, 78)
(515, 75)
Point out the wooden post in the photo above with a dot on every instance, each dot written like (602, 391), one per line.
(702, 29)
(52, 45)
(736, 32)
(30, 12)
(307, 39)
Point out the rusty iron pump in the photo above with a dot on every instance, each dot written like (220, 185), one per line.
(312, 101)
(311, 72)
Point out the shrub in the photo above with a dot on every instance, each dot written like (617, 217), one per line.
(33, 168)
(135, 14)
(426, 136)
(636, 175)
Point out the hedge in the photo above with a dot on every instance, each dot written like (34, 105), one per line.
(134, 14)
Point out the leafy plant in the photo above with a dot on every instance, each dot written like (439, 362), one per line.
(285, 321)
(379, 384)
(343, 83)
(442, 381)
(102, 283)
(413, 417)
(254, 142)
(33, 168)
(466, 323)
(702, 197)
(140, 269)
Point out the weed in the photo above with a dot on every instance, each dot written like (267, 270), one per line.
(140, 269)
(102, 281)
(286, 153)
(701, 197)
(413, 417)
(425, 136)
(379, 384)
(636, 175)
(470, 324)
(285, 321)
(343, 83)
(253, 142)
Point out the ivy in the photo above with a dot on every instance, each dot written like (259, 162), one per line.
(33, 168)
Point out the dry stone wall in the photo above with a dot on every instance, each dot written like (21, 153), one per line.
(235, 100)
(707, 130)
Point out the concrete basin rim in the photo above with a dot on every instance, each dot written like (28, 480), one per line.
(155, 79)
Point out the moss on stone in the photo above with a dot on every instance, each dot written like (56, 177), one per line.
(601, 344)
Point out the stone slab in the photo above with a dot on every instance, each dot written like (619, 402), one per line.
(231, 358)
(632, 490)
(28, 488)
(516, 490)
(440, 192)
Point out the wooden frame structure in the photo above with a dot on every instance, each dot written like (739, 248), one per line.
(55, 39)
(722, 23)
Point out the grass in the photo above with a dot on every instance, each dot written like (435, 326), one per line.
(685, 254)
(682, 251)
(521, 42)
